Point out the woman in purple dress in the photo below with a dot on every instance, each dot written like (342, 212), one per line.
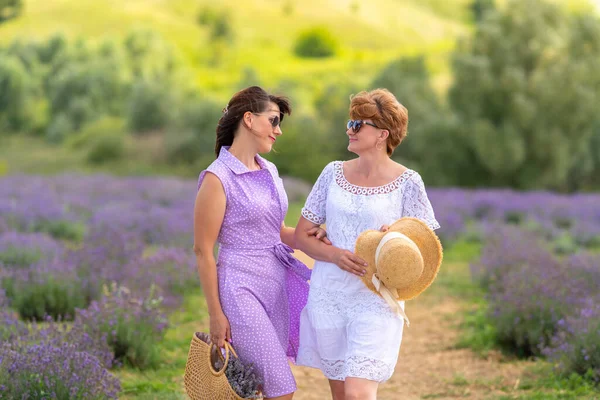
(255, 289)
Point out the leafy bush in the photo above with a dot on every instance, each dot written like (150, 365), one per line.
(149, 106)
(106, 148)
(191, 136)
(84, 91)
(505, 132)
(14, 93)
(61, 229)
(59, 129)
(48, 295)
(316, 43)
(207, 15)
(10, 9)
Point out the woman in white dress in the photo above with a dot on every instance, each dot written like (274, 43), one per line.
(346, 330)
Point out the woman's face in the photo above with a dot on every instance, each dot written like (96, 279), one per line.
(363, 136)
(265, 126)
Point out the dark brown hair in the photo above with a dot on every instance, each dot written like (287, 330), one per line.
(253, 99)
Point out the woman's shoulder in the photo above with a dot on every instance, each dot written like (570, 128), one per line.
(217, 168)
(331, 168)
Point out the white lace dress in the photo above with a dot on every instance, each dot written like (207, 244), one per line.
(345, 329)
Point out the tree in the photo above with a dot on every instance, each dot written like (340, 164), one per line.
(10, 9)
(527, 90)
(13, 94)
(480, 7)
(432, 146)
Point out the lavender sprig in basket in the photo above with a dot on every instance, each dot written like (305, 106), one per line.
(210, 375)
(241, 377)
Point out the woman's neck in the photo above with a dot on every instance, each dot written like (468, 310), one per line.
(245, 152)
(372, 164)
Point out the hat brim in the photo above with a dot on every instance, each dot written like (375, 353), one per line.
(425, 239)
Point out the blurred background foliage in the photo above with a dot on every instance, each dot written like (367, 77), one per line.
(499, 93)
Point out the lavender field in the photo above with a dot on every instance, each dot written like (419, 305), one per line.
(94, 269)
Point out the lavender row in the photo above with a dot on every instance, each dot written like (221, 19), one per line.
(542, 303)
(158, 210)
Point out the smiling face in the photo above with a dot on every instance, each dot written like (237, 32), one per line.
(365, 138)
(378, 107)
(265, 127)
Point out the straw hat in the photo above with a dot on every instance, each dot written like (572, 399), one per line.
(402, 262)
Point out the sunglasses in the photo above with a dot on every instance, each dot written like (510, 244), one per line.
(275, 121)
(356, 125)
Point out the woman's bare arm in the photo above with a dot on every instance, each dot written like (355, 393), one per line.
(209, 212)
(318, 250)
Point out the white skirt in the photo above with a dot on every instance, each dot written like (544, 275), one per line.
(346, 330)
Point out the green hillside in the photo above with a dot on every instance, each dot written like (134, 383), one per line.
(264, 33)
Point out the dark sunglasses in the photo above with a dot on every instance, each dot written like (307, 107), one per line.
(275, 121)
(356, 125)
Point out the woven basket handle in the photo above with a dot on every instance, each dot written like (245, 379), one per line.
(228, 349)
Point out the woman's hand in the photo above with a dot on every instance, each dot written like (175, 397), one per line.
(350, 262)
(319, 233)
(220, 329)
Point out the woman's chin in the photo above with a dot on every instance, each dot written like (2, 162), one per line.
(353, 148)
(266, 148)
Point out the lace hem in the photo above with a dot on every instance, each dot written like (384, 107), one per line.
(312, 217)
(354, 367)
(341, 180)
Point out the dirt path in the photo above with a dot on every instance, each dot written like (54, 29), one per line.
(429, 365)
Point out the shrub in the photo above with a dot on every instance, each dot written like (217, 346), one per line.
(61, 229)
(48, 295)
(66, 373)
(531, 290)
(59, 129)
(207, 15)
(20, 250)
(191, 136)
(14, 89)
(68, 364)
(106, 147)
(100, 127)
(10, 9)
(316, 43)
(133, 326)
(149, 106)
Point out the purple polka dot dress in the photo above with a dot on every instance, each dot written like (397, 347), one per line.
(262, 287)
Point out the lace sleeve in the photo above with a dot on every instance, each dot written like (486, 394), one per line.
(314, 209)
(415, 202)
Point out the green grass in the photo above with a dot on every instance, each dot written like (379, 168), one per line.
(541, 383)
(166, 382)
(294, 209)
(30, 155)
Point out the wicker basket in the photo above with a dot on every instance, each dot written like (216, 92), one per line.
(201, 380)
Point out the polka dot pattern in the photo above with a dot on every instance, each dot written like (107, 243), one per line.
(262, 287)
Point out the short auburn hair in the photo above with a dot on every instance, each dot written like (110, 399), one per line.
(381, 107)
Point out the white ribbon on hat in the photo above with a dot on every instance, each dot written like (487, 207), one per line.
(389, 294)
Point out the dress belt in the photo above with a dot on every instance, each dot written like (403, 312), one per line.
(283, 252)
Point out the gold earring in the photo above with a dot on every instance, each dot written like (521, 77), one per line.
(378, 146)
